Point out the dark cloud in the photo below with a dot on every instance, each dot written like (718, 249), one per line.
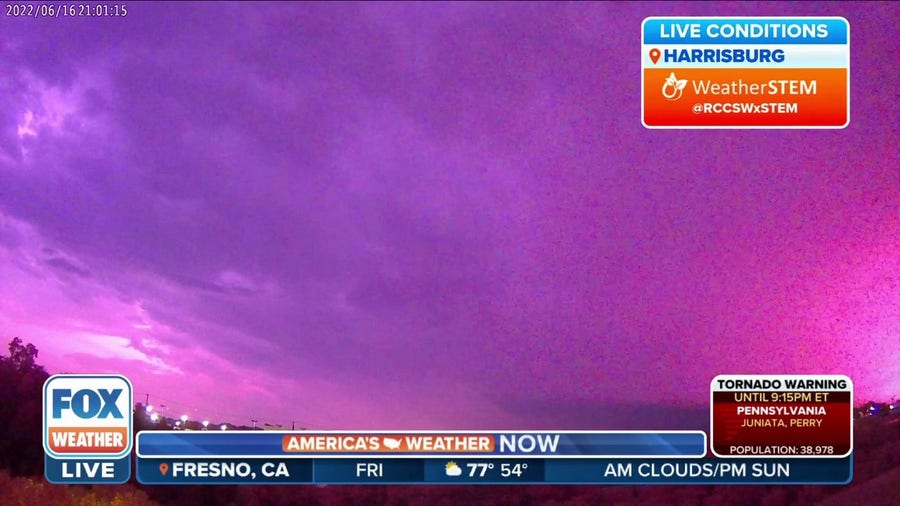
(66, 266)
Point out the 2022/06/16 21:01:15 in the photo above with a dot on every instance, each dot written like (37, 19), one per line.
(65, 10)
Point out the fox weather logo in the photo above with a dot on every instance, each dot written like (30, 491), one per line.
(87, 416)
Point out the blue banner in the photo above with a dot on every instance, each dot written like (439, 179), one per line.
(706, 471)
(421, 444)
(740, 30)
(87, 471)
(224, 471)
(447, 471)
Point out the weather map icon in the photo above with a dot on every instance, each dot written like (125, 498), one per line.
(452, 469)
(391, 443)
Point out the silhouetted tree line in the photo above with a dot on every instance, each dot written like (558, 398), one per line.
(21, 387)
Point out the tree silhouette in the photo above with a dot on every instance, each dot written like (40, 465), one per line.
(22, 358)
(21, 385)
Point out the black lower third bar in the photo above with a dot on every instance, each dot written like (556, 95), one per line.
(711, 471)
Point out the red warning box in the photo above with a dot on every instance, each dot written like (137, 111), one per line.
(781, 416)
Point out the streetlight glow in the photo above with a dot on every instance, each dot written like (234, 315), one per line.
(184, 418)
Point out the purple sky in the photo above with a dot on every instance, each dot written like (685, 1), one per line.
(430, 216)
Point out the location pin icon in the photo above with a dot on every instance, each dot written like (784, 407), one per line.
(654, 55)
(164, 468)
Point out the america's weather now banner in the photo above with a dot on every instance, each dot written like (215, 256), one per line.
(617, 444)
(745, 72)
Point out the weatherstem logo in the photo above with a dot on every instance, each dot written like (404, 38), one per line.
(673, 88)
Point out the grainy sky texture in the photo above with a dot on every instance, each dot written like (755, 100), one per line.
(430, 215)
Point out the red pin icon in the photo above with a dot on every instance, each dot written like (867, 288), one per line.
(654, 55)
(164, 468)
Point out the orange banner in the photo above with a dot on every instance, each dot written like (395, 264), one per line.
(741, 97)
(87, 439)
(357, 443)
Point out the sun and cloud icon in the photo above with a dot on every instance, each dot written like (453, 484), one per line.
(452, 469)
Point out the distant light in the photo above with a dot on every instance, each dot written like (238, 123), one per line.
(149, 409)
(205, 423)
(178, 424)
(184, 418)
(154, 417)
(892, 407)
(224, 426)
